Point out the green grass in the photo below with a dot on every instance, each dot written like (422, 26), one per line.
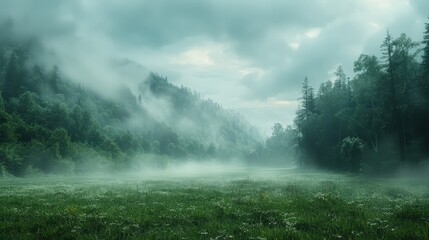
(267, 205)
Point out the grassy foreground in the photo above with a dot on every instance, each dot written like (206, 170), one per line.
(267, 205)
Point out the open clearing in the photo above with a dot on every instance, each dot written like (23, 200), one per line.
(217, 204)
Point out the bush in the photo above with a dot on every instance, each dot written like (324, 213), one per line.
(351, 153)
(31, 171)
(64, 166)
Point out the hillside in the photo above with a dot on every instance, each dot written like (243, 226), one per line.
(50, 124)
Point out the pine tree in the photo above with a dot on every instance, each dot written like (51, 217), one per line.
(425, 62)
(53, 81)
(307, 103)
(12, 80)
(387, 50)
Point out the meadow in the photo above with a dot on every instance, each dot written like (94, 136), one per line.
(234, 204)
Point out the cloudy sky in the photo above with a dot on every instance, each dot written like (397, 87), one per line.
(250, 56)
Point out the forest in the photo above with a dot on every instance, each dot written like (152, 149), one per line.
(214, 119)
(49, 124)
(375, 122)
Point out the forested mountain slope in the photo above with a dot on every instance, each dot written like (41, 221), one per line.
(49, 123)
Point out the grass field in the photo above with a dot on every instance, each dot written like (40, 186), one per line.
(241, 204)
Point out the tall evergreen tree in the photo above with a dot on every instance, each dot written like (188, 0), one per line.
(396, 125)
(387, 51)
(13, 76)
(54, 79)
(368, 117)
(307, 103)
(425, 62)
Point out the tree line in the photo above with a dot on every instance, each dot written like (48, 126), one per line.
(376, 121)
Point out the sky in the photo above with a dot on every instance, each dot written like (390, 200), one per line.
(249, 56)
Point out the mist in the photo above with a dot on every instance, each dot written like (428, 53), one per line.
(208, 93)
(214, 119)
(213, 45)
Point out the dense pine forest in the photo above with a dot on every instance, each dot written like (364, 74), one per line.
(49, 124)
(376, 121)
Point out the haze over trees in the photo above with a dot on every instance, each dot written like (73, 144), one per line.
(166, 119)
(48, 124)
(377, 121)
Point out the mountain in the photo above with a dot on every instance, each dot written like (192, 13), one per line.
(51, 124)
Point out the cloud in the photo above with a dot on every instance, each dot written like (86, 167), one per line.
(421, 7)
(236, 52)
